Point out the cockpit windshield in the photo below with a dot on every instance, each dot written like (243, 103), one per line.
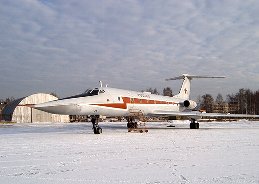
(91, 92)
(88, 92)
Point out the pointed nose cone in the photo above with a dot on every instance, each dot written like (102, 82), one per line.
(47, 107)
(58, 107)
(41, 107)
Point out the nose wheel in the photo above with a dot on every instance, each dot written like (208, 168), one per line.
(194, 124)
(96, 128)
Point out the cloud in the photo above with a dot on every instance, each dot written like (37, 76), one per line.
(68, 46)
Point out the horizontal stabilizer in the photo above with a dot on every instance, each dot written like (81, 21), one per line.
(193, 76)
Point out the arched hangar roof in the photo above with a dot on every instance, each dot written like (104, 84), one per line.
(16, 111)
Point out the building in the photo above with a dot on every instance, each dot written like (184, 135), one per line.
(221, 108)
(17, 111)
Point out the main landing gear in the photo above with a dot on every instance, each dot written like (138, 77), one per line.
(194, 124)
(131, 123)
(95, 121)
(134, 127)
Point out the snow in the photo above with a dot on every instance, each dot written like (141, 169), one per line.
(224, 152)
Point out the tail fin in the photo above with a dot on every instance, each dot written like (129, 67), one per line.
(186, 85)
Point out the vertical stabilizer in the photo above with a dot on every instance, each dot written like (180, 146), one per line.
(186, 85)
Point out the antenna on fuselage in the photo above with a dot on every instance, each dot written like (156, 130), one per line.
(101, 84)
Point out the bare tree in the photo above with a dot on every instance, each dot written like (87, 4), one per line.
(256, 102)
(207, 103)
(8, 100)
(167, 92)
(153, 91)
(219, 104)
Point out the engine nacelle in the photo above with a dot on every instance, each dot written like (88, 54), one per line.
(189, 104)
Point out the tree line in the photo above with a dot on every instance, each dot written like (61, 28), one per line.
(245, 101)
(7, 100)
(166, 91)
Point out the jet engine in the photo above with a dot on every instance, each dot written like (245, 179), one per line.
(189, 104)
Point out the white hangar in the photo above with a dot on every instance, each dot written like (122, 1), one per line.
(16, 111)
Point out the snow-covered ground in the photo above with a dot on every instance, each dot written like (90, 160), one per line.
(226, 152)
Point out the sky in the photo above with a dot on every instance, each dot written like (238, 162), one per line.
(68, 46)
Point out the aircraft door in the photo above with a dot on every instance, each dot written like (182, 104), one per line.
(135, 108)
(132, 101)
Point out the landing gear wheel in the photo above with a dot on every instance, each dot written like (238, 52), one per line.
(97, 130)
(194, 124)
(131, 124)
(135, 125)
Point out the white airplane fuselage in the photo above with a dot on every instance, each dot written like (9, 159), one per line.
(116, 102)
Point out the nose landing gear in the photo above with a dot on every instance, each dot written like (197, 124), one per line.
(95, 121)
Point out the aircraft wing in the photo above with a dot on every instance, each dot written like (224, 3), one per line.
(198, 114)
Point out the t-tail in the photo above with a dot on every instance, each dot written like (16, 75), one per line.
(186, 85)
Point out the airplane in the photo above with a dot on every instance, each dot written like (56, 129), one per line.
(113, 102)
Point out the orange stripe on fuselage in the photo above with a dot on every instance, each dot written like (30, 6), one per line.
(127, 100)
(114, 105)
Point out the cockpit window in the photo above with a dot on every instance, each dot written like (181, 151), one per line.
(92, 92)
(89, 92)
